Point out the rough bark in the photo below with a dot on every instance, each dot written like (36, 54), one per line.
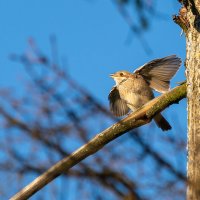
(189, 15)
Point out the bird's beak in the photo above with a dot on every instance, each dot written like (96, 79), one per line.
(111, 75)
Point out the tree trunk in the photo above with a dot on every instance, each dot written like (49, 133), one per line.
(192, 20)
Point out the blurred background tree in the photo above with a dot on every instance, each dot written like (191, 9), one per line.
(57, 108)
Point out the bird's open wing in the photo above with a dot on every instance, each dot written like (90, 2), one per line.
(158, 72)
(117, 105)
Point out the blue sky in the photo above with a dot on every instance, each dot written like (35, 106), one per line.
(95, 40)
(92, 36)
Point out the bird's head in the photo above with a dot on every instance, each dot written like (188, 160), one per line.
(120, 76)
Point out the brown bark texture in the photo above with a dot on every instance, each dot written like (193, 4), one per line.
(193, 93)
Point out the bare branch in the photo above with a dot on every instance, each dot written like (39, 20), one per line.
(134, 120)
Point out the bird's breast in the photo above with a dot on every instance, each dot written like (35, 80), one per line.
(135, 92)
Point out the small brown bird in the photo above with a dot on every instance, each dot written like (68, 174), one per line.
(133, 90)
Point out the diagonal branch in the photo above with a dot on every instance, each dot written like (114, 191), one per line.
(142, 116)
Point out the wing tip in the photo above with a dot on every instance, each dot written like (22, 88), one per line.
(174, 57)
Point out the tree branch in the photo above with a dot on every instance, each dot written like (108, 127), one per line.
(142, 116)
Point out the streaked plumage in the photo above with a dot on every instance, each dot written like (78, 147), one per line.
(132, 90)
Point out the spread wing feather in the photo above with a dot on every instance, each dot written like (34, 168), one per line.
(159, 72)
(118, 106)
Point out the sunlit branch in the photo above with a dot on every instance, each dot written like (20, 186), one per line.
(142, 116)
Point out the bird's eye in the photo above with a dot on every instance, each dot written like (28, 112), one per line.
(121, 74)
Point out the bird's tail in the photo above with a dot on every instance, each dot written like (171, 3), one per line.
(162, 122)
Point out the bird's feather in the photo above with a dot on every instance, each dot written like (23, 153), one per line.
(118, 106)
(159, 72)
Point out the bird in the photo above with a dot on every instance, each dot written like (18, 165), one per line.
(133, 90)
